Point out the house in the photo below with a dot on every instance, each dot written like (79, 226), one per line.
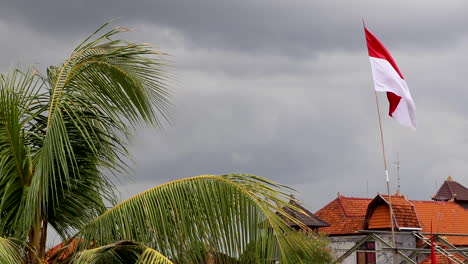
(360, 228)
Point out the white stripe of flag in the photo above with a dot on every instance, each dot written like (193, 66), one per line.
(388, 78)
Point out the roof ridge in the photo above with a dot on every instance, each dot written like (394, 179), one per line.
(389, 203)
(459, 184)
(440, 191)
(448, 186)
(341, 205)
(427, 201)
(328, 204)
(414, 211)
(355, 198)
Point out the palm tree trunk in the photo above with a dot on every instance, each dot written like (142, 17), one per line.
(43, 239)
(35, 240)
(30, 250)
(211, 257)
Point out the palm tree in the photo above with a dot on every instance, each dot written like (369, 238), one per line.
(63, 133)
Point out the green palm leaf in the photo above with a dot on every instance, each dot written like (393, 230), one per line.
(151, 256)
(190, 219)
(10, 252)
(95, 99)
(20, 104)
(124, 252)
(64, 134)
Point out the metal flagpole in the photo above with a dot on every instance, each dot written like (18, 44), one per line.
(386, 174)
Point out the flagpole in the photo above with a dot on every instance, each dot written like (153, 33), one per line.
(386, 172)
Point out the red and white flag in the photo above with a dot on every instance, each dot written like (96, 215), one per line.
(388, 78)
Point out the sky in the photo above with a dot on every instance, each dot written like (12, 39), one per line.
(279, 89)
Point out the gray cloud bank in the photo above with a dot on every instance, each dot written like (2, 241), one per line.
(288, 27)
(280, 90)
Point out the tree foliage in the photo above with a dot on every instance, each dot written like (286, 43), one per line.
(63, 133)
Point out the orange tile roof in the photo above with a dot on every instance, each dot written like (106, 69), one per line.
(380, 218)
(446, 217)
(61, 251)
(345, 215)
(404, 213)
(354, 206)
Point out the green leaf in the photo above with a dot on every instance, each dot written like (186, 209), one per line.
(190, 219)
(94, 101)
(123, 252)
(10, 252)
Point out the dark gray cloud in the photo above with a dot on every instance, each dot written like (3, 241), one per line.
(279, 89)
(296, 27)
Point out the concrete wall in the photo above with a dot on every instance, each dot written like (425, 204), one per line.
(341, 244)
(402, 240)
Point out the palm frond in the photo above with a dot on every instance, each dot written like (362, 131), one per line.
(20, 104)
(10, 252)
(191, 219)
(151, 256)
(96, 98)
(123, 252)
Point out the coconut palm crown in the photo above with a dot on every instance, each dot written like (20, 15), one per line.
(65, 133)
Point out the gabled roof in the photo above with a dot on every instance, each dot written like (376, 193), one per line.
(451, 189)
(305, 217)
(404, 214)
(345, 215)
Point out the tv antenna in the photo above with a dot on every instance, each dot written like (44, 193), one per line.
(397, 164)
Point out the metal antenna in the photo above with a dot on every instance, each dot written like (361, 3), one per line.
(397, 164)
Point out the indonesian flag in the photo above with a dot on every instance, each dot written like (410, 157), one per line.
(388, 78)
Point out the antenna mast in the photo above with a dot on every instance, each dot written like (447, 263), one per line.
(397, 163)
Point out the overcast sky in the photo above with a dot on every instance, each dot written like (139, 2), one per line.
(280, 89)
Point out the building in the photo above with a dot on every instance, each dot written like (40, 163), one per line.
(360, 228)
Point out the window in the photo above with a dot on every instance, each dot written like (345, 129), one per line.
(366, 253)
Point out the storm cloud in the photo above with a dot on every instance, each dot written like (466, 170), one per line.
(279, 89)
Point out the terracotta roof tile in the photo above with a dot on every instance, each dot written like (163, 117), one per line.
(345, 215)
(354, 206)
(446, 217)
(403, 210)
(61, 251)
